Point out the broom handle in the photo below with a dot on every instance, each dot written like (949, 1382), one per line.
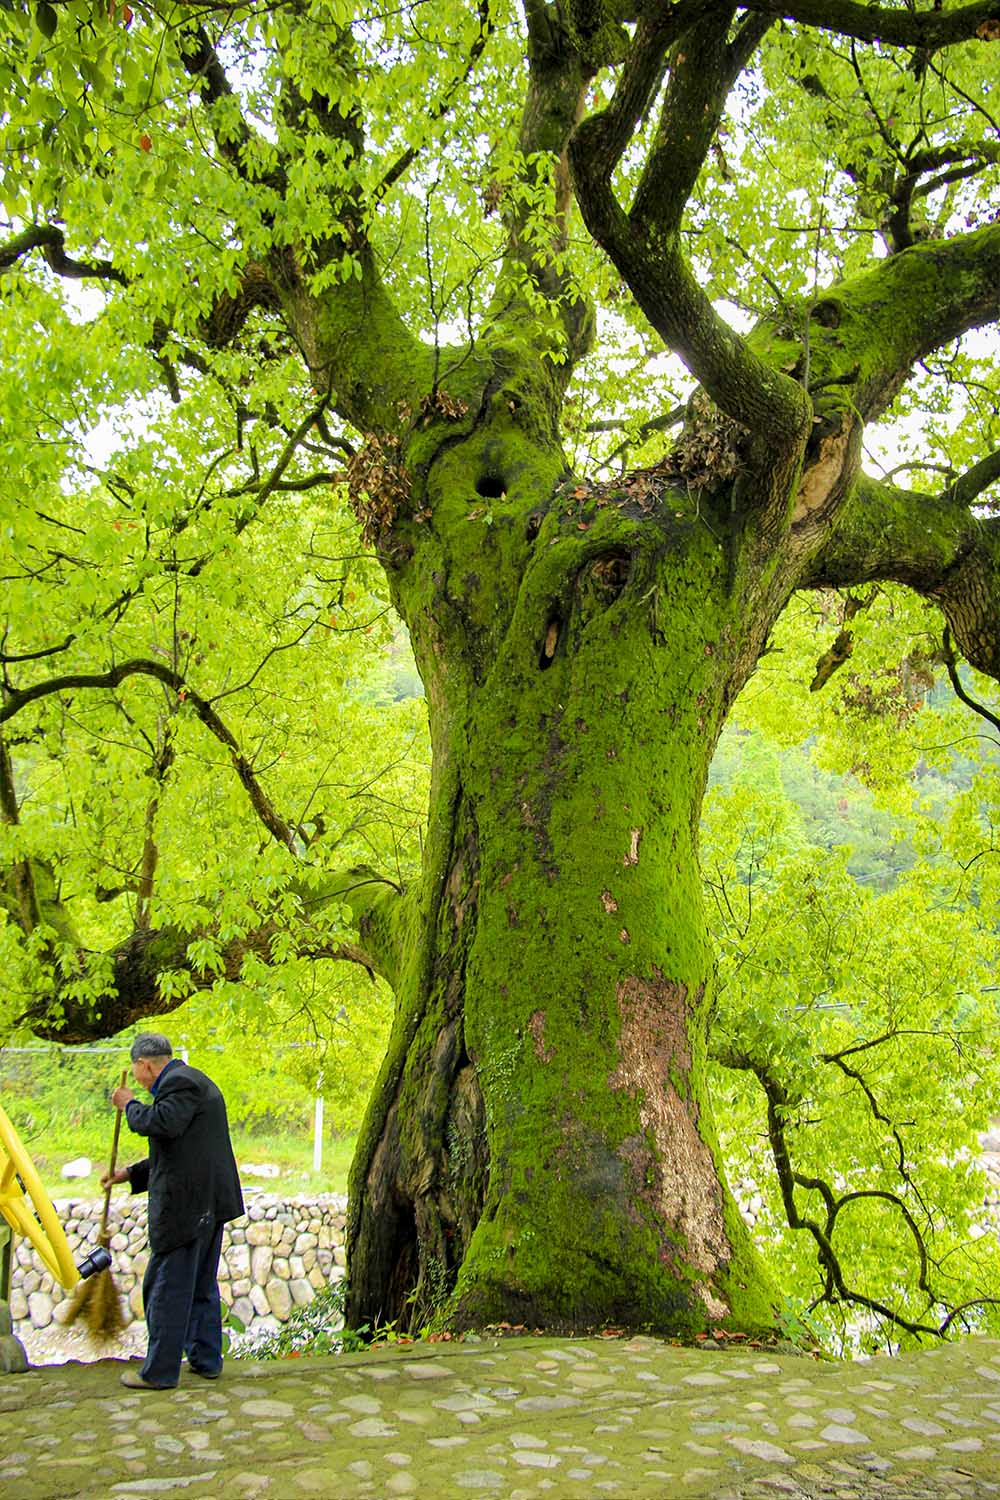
(111, 1167)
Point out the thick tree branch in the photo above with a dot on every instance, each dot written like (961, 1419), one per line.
(362, 357)
(926, 30)
(52, 242)
(950, 164)
(969, 486)
(866, 327)
(932, 543)
(133, 990)
(552, 108)
(204, 67)
(704, 64)
(608, 133)
(954, 284)
(20, 878)
(645, 245)
(861, 339)
(150, 858)
(381, 910)
(224, 322)
(891, 534)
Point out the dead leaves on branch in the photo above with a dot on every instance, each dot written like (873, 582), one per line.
(438, 404)
(441, 404)
(493, 196)
(644, 490)
(841, 651)
(711, 450)
(379, 483)
(708, 456)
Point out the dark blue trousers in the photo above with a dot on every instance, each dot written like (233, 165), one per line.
(180, 1294)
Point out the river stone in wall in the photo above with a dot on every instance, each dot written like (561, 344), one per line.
(275, 1258)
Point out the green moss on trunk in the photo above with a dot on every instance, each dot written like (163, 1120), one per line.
(541, 1148)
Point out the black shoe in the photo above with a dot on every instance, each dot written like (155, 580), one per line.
(205, 1374)
(135, 1382)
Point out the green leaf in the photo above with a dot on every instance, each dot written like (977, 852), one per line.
(46, 19)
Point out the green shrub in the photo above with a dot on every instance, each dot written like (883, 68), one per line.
(316, 1329)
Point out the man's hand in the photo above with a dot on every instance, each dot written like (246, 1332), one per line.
(111, 1178)
(121, 1096)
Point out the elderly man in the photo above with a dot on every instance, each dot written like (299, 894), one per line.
(194, 1187)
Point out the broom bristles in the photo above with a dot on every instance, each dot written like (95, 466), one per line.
(98, 1303)
(77, 1301)
(103, 1311)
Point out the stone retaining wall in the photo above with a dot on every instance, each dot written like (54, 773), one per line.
(275, 1258)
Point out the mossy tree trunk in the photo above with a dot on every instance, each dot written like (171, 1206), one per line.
(541, 1146)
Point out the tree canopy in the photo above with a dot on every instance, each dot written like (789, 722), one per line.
(566, 331)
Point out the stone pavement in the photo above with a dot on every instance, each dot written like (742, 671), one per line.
(517, 1418)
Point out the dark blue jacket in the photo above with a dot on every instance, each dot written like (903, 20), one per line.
(190, 1172)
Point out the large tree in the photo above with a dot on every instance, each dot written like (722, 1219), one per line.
(391, 238)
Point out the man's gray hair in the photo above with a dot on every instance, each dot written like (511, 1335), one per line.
(150, 1044)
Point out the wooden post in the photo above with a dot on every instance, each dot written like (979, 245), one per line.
(318, 1131)
(13, 1360)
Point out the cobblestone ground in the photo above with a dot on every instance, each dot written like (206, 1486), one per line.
(516, 1419)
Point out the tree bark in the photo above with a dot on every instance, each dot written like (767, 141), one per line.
(540, 1146)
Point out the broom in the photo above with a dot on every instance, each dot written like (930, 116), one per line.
(97, 1300)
